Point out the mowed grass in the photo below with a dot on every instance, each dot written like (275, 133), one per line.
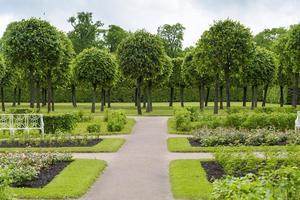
(188, 180)
(73, 182)
(159, 108)
(108, 145)
(183, 145)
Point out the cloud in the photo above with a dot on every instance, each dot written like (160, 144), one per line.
(195, 15)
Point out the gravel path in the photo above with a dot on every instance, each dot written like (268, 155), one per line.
(139, 171)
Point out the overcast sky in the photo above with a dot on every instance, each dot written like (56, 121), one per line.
(195, 15)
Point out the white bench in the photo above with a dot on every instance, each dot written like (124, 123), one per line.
(26, 122)
(297, 121)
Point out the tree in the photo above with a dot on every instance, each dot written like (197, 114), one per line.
(283, 64)
(229, 46)
(293, 49)
(3, 73)
(96, 67)
(177, 80)
(172, 36)
(267, 37)
(140, 56)
(114, 36)
(86, 32)
(33, 45)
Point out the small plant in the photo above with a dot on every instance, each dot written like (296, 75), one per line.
(94, 128)
(116, 121)
(183, 119)
(5, 181)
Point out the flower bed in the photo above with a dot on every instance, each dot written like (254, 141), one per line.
(33, 169)
(234, 137)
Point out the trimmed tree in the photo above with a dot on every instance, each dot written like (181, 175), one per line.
(140, 56)
(177, 80)
(96, 67)
(293, 49)
(33, 45)
(229, 46)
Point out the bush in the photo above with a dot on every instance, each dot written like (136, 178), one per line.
(5, 181)
(183, 119)
(235, 120)
(195, 115)
(94, 128)
(116, 121)
(60, 123)
(283, 183)
(21, 111)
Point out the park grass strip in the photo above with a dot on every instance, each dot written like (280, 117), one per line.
(188, 180)
(73, 182)
(183, 145)
(106, 145)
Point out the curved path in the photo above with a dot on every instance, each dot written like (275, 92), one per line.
(139, 171)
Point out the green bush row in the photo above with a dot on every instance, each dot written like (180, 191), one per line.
(61, 123)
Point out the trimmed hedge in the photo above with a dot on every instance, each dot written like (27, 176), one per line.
(63, 123)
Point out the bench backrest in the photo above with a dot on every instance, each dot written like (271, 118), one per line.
(21, 121)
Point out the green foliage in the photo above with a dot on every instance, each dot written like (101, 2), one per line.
(116, 121)
(182, 119)
(234, 137)
(94, 128)
(86, 32)
(57, 123)
(177, 78)
(283, 183)
(292, 47)
(5, 181)
(267, 37)
(172, 37)
(140, 55)
(114, 36)
(96, 66)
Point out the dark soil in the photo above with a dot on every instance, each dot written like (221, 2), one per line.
(67, 143)
(213, 170)
(45, 176)
(193, 142)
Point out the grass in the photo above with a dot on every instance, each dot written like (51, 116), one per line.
(159, 108)
(73, 182)
(107, 145)
(183, 145)
(188, 180)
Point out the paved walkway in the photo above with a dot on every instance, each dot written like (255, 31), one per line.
(139, 171)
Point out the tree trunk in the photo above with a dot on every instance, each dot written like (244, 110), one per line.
(138, 96)
(201, 96)
(244, 96)
(135, 96)
(2, 99)
(45, 97)
(221, 97)
(32, 89)
(265, 95)
(102, 99)
(216, 98)
(171, 96)
(108, 97)
(227, 80)
(252, 98)
(74, 100)
(144, 97)
(49, 86)
(148, 108)
(207, 96)
(52, 99)
(182, 96)
(19, 96)
(295, 90)
(14, 97)
(281, 96)
(255, 96)
(94, 98)
(38, 101)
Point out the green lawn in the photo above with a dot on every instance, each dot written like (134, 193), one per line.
(73, 182)
(183, 145)
(107, 145)
(159, 108)
(188, 180)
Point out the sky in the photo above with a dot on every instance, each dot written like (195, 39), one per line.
(196, 15)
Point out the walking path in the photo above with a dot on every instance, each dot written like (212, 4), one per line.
(139, 171)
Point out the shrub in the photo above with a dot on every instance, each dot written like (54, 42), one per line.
(235, 120)
(116, 121)
(194, 113)
(5, 181)
(283, 183)
(63, 123)
(183, 119)
(21, 111)
(94, 128)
